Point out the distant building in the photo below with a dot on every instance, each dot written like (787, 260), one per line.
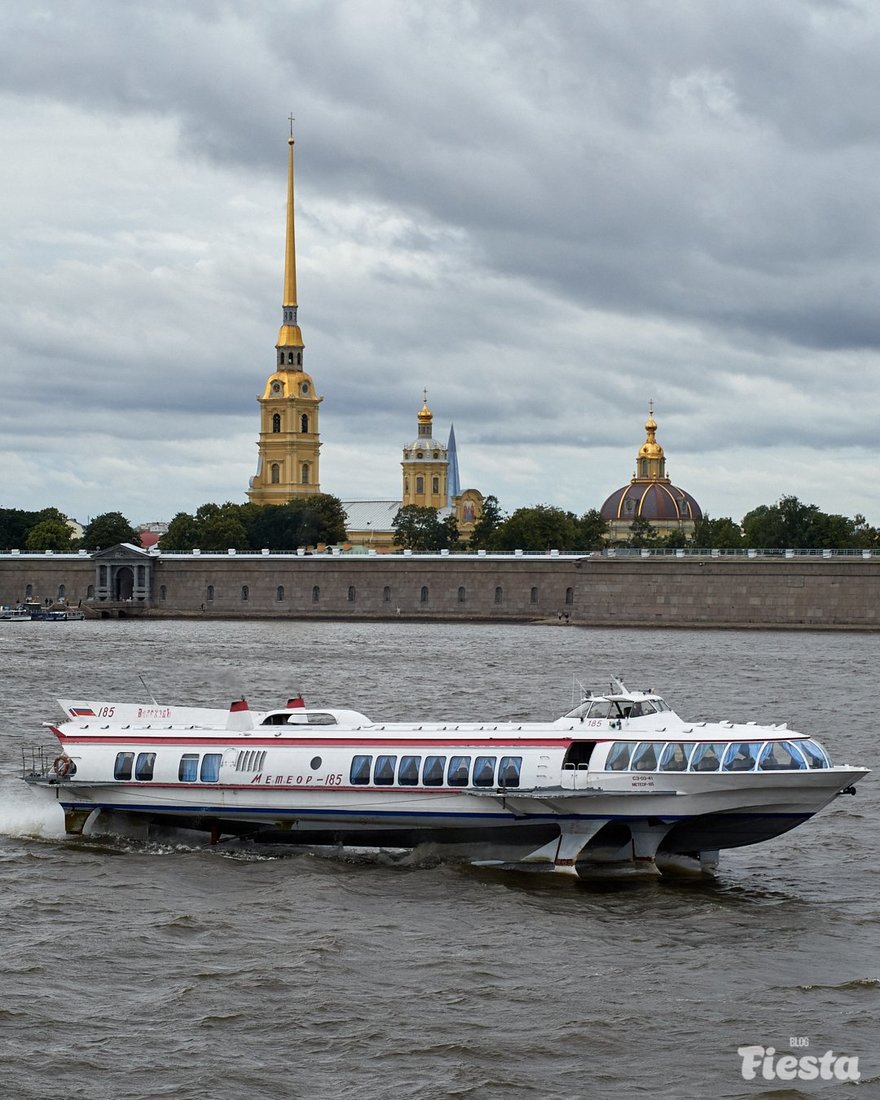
(290, 442)
(429, 471)
(650, 495)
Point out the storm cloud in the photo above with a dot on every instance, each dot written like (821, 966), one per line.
(547, 215)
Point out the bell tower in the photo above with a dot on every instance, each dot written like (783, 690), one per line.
(289, 443)
(425, 465)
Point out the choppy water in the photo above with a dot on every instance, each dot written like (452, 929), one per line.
(141, 970)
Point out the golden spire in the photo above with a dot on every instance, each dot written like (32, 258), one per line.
(290, 335)
(425, 414)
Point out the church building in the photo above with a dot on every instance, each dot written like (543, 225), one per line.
(290, 441)
(650, 495)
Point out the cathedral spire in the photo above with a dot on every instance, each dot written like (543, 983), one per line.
(290, 335)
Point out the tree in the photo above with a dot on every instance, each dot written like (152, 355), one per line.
(542, 527)
(182, 535)
(420, 528)
(791, 523)
(489, 521)
(642, 534)
(108, 530)
(50, 534)
(717, 534)
(303, 521)
(593, 530)
(15, 524)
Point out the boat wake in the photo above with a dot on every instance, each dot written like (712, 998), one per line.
(24, 814)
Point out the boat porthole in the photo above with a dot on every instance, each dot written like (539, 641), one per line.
(315, 763)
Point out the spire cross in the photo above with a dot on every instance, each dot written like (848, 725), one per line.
(425, 396)
(651, 407)
(292, 120)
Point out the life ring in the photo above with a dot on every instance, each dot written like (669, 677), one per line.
(61, 766)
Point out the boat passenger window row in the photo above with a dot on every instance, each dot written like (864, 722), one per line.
(436, 771)
(713, 756)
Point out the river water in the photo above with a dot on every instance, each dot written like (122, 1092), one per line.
(144, 969)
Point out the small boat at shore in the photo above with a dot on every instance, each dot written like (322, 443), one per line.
(36, 612)
(621, 781)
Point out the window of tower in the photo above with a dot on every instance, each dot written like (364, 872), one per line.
(299, 358)
(420, 485)
(305, 473)
(435, 485)
(316, 593)
(276, 423)
(279, 593)
(386, 594)
(462, 594)
(276, 473)
(290, 357)
(423, 597)
(499, 594)
(352, 592)
(436, 454)
(304, 423)
(280, 358)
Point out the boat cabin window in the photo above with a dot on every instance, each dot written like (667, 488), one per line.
(143, 769)
(188, 770)
(618, 757)
(707, 758)
(432, 776)
(360, 769)
(459, 771)
(740, 757)
(603, 709)
(780, 756)
(321, 719)
(383, 773)
(814, 754)
(122, 767)
(645, 757)
(484, 771)
(210, 772)
(675, 756)
(408, 772)
(509, 771)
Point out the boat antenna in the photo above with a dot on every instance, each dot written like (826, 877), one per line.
(147, 690)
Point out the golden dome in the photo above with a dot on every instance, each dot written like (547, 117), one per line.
(425, 414)
(288, 383)
(651, 448)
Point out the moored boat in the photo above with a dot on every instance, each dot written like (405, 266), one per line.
(621, 780)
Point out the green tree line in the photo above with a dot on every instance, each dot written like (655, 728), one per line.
(320, 519)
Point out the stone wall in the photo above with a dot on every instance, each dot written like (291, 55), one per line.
(593, 590)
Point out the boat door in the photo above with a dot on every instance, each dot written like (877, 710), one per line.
(576, 765)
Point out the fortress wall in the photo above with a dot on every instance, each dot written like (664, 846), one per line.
(594, 590)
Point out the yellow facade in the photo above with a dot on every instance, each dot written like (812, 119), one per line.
(425, 466)
(289, 443)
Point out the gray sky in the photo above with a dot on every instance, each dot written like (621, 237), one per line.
(545, 213)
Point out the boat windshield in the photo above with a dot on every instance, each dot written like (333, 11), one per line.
(617, 708)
